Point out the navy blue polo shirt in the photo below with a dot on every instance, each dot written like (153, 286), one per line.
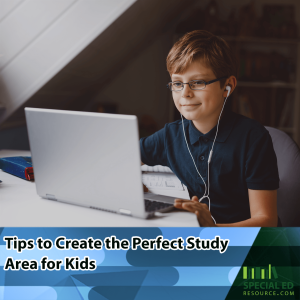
(243, 158)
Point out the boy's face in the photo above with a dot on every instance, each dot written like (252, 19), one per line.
(201, 105)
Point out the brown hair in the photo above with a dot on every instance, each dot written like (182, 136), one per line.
(202, 44)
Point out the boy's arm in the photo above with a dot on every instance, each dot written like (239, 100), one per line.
(263, 208)
(153, 150)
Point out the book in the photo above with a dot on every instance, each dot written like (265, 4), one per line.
(20, 166)
(161, 180)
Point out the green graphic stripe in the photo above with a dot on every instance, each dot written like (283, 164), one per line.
(282, 274)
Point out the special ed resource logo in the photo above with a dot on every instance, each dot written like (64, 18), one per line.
(265, 281)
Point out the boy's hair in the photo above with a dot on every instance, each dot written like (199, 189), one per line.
(216, 53)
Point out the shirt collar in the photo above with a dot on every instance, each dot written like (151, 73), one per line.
(225, 128)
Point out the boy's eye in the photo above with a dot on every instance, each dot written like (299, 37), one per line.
(197, 82)
(177, 84)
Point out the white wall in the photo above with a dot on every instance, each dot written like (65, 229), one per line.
(39, 37)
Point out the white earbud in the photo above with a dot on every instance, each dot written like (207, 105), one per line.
(228, 88)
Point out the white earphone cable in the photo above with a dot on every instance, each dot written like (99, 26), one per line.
(209, 158)
(191, 154)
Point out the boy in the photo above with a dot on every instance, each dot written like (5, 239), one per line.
(240, 183)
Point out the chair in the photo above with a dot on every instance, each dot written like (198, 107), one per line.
(288, 160)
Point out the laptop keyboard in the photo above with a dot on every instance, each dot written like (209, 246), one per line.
(165, 182)
(151, 205)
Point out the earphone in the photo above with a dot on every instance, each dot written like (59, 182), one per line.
(228, 88)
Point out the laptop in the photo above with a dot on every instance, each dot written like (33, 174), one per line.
(92, 160)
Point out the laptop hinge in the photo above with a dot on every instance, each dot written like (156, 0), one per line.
(125, 212)
(51, 197)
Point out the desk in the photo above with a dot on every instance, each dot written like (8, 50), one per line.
(20, 206)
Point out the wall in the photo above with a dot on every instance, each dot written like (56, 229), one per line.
(38, 38)
(141, 87)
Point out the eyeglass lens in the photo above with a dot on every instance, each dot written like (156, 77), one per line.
(194, 85)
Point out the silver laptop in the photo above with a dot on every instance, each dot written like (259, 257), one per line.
(92, 160)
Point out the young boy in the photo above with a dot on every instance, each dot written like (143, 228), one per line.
(240, 183)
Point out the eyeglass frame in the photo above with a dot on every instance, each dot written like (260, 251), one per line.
(206, 83)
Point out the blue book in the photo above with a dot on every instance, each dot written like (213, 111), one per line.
(20, 166)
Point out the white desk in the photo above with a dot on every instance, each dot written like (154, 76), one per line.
(20, 206)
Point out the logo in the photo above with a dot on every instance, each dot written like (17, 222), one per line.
(259, 273)
(265, 281)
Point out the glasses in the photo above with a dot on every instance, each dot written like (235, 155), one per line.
(195, 85)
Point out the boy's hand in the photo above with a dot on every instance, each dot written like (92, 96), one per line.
(200, 209)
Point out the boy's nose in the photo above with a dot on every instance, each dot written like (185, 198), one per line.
(186, 92)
